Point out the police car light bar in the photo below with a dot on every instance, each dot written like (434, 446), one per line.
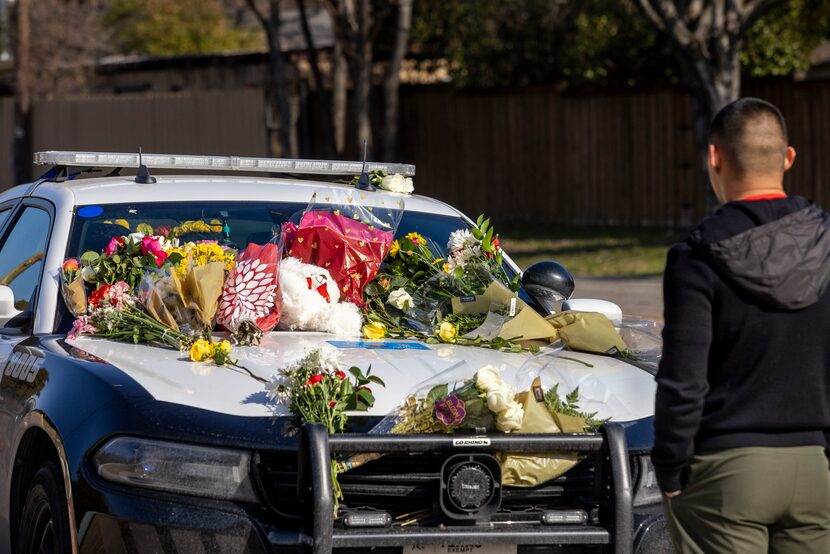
(216, 163)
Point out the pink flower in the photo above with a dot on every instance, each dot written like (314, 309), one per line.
(112, 247)
(81, 326)
(119, 294)
(152, 246)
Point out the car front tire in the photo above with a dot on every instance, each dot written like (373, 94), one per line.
(44, 521)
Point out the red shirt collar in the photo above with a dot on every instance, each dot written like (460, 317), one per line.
(770, 196)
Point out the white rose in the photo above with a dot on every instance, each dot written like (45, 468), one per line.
(487, 378)
(500, 399)
(397, 183)
(136, 237)
(400, 299)
(511, 418)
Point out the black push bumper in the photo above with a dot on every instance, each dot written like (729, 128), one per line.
(315, 490)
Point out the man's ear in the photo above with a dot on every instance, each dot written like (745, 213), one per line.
(715, 159)
(789, 159)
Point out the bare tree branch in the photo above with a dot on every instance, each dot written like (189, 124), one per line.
(252, 5)
(652, 14)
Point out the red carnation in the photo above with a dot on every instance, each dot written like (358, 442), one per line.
(340, 374)
(332, 404)
(97, 295)
(314, 379)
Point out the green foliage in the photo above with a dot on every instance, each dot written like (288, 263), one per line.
(519, 42)
(175, 27)
(491, 43)
(780, 43)
(569, 406)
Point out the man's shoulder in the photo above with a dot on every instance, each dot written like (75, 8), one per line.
(685, 259)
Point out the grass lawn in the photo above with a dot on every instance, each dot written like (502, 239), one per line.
(590, 251)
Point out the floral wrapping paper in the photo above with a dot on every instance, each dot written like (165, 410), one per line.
(251, 291)
(348, 248)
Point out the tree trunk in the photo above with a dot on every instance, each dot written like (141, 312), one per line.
(323, 96)
(280, 84)
(21, 146)
(711, 87)
(391, 82)
(339, 96)
(280, 125)
(362, 70)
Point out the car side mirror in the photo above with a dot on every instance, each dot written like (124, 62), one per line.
(548, 283)
(7, 309)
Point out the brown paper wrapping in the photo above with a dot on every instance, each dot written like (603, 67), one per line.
(529, 470)
(195, 298)
(156, 308)
(587, 332)
(202, 288)
(526, 324)
(74, 295)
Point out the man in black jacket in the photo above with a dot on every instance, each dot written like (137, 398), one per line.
(743, 389)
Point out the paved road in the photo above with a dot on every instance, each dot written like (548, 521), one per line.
(642, 296)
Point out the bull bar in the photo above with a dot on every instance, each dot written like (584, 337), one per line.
(314, 487)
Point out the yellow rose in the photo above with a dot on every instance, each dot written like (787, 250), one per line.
(374, 331)
(447, 332)
(201, 351)
(393, 250)
(223, 346)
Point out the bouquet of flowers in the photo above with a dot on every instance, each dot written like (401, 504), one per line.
(251, 298)
(482, 403)
(413, 294)
(125, 259)
(72, 287)
(346, 238)
(184, 293)
(486, 401)
(317, 389)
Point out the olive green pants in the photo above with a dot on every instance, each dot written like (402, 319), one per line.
(754, 500)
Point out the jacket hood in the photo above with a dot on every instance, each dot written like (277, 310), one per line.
(777, 250)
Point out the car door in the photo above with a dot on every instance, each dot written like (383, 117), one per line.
(25, 238)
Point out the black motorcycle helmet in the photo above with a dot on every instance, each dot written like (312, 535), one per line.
(548, 283)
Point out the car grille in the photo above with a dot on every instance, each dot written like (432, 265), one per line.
(406, 484)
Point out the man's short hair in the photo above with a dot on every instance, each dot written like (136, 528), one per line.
(752, 135)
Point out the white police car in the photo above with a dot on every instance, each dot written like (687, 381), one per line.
(110, 447)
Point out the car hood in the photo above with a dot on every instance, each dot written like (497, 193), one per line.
(610, 387)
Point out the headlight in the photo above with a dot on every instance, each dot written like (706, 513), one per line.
(177, 468)
(646, 490)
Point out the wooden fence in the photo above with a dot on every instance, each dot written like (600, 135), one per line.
(611, 158)
(222, 122)
(606, 158)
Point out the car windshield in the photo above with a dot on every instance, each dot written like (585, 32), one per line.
(235, 224)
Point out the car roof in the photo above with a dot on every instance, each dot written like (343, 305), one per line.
(183, 188)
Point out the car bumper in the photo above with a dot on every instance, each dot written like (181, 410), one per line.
(153, 527)
(125, 520)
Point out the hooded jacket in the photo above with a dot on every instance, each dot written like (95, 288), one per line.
(746, 343)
